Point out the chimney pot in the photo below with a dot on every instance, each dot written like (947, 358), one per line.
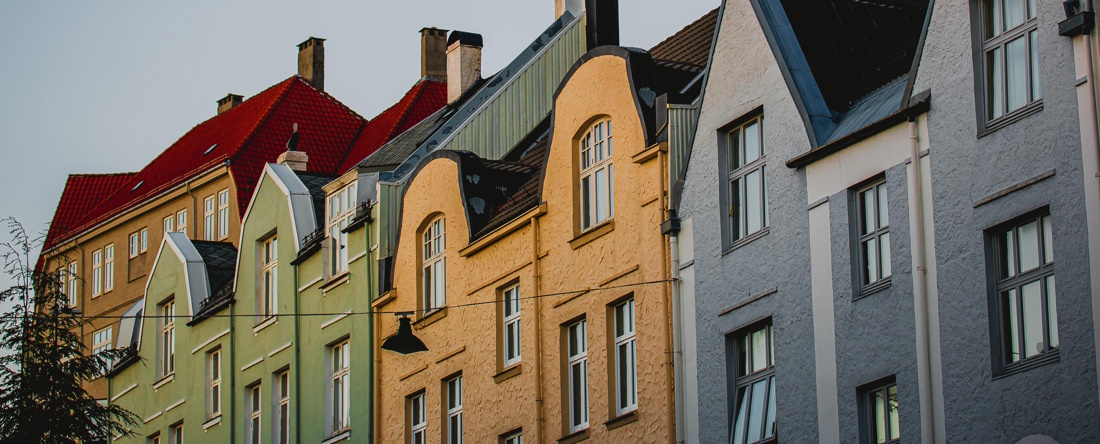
(463, 63)
(433, 52)
(311, 61)
(229, 102)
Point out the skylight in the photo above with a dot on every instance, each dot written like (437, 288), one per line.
(208, 150)
(136, 186)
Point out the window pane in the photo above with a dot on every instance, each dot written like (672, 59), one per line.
(880, 417)
(736, 221)
(610, 190)
(1006, 246)
(756, 411)
(1014, 13)
(601, 195)
(870, 261)
(867, 211)
(1048, 241)
(883, 209)
(884, 255)
(623, 380)
(586, 202)
(995, 83)
(759, 350)
(769, 423)
(743, 356)
(742, 413)
(992, 16)
(892, 412)
(1052, 313)
(1029, 246)
(754, 218)
(575, 379)
(1011, 337)
(1033, 54)
(734, 141)
(1018, 66)
(752, 142)
(1033, 318)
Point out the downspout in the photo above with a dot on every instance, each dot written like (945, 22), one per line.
(1090, 78)
(376, 369)
(671, 367)
(920, 290)
(540, 419)
(232, 372)
(370, 356)
(297, 364)
(110, 438)
(677, 334)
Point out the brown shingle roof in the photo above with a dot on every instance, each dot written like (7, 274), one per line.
(690, 45)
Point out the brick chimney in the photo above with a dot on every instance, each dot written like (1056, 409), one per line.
(433, 52)
(311, 61)
(463, 63)
(229, 102)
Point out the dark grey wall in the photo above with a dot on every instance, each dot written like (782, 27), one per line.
(1060, 399)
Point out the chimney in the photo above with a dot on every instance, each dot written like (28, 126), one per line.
(229, 102)
(463, 63)
(602, 17)
(311, 61)
(296, 160)
(433, 52)
(576, 7)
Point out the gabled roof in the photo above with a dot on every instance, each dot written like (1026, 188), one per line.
(690, 45)
(424, 99)
(81, 193)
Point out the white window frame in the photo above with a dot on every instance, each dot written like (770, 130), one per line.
(515, 438)
(577, 369)
(434, 268)
(144, 240)
(267, 305)
(223, 214)
(742, 172)
(181, 221)
(339, 387)
(626, 359)
(101, 339)
(511, 334)
(418, 419)
(341, 210)
(209, 219)
(74, 283)
(453, 406)
(108, 268)
(169, 224)
(97, 273)
(254, 408)
(214, 383)
(134, 245)
(167, 343)
(597, 200)
(282, 410)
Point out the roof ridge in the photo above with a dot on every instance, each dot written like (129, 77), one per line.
(696, 22)
(102, 174)
(265, 114)
(332, 98)
(419, 91)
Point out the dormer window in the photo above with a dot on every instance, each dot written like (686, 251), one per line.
(341, 210)
(597, 190)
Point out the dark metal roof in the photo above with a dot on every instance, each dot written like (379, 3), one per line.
(314, 183)
(220, 259)
(871, 108)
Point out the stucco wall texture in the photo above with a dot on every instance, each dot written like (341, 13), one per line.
(1060, 399)
(466, 339)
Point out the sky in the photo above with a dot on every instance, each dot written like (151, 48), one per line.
(101, 87)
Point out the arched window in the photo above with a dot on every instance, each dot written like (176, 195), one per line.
(596, 175)
(434, 290)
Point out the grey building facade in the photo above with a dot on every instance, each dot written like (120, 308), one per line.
(837, 287)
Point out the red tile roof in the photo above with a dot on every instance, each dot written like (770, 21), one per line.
(425, 98)
(247, 136)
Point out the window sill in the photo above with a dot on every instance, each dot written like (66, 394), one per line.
(164, 381)
(1044, 359)
(508, 373)
(622, 420)
(1010, 118)
(384, 299)
(592, 234)
(212, 422)
(338, 436)
(336, 281)
(747, 240)
(577, 436)
(271, 320)
(431, 318)
(872, 289)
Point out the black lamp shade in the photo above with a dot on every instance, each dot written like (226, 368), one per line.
(404, 341)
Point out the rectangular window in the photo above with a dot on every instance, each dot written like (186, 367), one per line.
(515, 438)
(254, 412)
(754, 407)
(1009, 36)
(880, 412)
(155, 439)
(169, 224)
(97, 273)
(873, 236)
(596, 176)
(577, 369)
(435, 266)
(418, 420)
(74, 281)
(269, 294)
(1025, 292)
(175, 434)
(101, 340)
(511, 333)
(167, 344)
(109, 268)
(746, 184)
(223, 214)
(341, 210)
(209, 219)
(144, 240)
(214, 383)
(135, 245)
(453, 404)
(339, 393)
(626, 374)
(282, 413)
(181, 221)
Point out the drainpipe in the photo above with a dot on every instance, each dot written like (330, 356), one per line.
(672, 339)
(372, 430)
(232, 372)
(540, 420)
(920, 290)
(297, 365)
(677, 334)
(1090, 77)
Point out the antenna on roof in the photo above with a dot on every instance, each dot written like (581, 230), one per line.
(292, 144)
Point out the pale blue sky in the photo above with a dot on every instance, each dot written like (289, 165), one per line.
(97, 87)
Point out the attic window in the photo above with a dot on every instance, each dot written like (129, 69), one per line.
(208, 150)
(136, 186)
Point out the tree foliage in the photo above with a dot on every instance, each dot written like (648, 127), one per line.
(45, 363)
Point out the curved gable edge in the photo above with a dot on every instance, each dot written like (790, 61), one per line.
(194, 270)
(455, 156)
(129, 328)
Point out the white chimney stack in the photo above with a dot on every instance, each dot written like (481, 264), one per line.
(463, 63)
